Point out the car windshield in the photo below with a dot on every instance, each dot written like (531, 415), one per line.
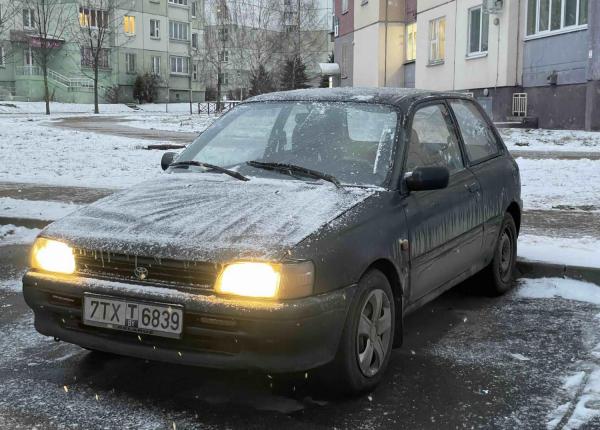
(351, 142)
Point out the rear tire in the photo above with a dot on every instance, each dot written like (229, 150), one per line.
(367, 338)
(499, 275)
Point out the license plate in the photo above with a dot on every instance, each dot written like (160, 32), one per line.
(156, 319)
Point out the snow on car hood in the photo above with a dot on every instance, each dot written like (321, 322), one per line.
(206, 217)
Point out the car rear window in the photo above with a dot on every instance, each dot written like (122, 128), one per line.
(480, 141)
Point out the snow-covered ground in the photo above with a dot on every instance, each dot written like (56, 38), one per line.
(10, 107)
(580, 391)
(34, 152)
(581, 251)
(550, 183)
(16, 235)
(34, 209)
(551, 140)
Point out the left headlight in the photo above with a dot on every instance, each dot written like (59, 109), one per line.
(266, 280)
(52, 256)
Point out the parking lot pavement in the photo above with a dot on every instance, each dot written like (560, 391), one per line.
(467, 362)
(117, 126)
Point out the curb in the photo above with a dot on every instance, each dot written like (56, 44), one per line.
(536, 269)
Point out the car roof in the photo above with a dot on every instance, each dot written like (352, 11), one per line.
(401, 97)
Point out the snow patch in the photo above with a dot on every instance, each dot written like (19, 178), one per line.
(582, 251)
(569, 289)
(547, 183)
(550, 140)
(16, 235)
(12, 285)
(34, 209)
(35, 152)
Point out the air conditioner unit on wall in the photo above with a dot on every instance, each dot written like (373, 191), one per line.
(493, 6)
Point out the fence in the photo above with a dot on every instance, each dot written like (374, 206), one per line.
(212, 107)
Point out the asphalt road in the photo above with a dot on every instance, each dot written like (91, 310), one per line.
(455, 370)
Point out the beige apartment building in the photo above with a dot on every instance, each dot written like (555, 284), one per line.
(375, 42)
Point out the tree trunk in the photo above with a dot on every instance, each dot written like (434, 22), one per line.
(96, 108)
(46, 90)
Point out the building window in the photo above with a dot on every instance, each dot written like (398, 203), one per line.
(344, 6)
(555, 15)
(194, 6)
(195, 40)
(154, 29)
(87, 58)
(93, 18)
(130, 63)
(28, 57)
(224, 56)
(411, 42)
(437, 40)
(28, 18)
(179, 2)
(178, 30)
(2, 57)
(179, 65)
(224, 78)
(223, 34)
(479, 22)
(156, 66)
(195, 72)
(129, 24)
(344, 61)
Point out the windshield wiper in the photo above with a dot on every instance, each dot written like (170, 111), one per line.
(208, 166)
(292, 168)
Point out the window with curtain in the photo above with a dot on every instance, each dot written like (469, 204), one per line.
(437, 40)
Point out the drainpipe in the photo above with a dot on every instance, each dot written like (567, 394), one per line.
(385, 45)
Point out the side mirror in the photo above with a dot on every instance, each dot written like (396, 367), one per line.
(428, 178)
(167, 159)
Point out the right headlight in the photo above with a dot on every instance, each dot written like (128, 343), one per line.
(52, 256)
(267, 280)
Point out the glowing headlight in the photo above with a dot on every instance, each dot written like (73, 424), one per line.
(264, 280)
(52, 256)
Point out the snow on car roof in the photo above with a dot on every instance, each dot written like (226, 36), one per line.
(392, 96)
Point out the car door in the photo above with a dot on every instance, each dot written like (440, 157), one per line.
(445, 236)
(484, 154)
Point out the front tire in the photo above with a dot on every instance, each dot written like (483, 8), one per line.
(499, 274)
(366, 343)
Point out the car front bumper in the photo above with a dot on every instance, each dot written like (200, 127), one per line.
(220, 332)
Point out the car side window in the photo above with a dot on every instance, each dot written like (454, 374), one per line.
(433, 141)
(480, 141)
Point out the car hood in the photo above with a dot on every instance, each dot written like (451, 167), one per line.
(207, 217)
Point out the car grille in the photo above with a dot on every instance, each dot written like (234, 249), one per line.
(191, 274)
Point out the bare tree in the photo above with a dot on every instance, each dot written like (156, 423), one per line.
(48, 21)
(305, 40)
(217, 40)
(99, 22)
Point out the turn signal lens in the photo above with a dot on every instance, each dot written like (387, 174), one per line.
(249, 279)
(52, 256)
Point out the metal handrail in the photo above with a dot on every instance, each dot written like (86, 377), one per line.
(70, 83)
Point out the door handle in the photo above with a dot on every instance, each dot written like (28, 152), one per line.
(473, 187)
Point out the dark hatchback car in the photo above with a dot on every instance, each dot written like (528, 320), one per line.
(296, 232)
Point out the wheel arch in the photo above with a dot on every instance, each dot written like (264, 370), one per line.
(515, 211)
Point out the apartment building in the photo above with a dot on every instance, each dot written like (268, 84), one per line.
(161, 37)
(247, 33)
(375, 42)
(530, 59)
